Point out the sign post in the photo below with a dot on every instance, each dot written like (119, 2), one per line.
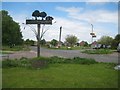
(92, 34)
(47, 20)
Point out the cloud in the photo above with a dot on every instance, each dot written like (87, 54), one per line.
(70, 10)
(76, 23)
(91, 16)
(69, 27)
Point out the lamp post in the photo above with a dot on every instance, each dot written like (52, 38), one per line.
(92, 32)
(44, 20)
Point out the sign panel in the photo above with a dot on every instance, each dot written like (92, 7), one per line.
(29, 21)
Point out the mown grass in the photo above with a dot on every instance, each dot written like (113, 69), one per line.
(98, 51)
(61, 76)
(59, 73)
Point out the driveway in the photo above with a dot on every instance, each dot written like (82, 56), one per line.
(77, 53)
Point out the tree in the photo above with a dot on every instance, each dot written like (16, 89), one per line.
(29, 42)
(106, 40)
(116, 41)
(54, 42)
(11, 34)
(71, 40)
(86, 44)
(43, 42)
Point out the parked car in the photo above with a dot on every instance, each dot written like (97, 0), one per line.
(118, 48)
(101, 46)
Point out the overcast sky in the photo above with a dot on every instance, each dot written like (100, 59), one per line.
(74, 17)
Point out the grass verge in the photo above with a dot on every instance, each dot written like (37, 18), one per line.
(72, 48)
(98, 51)
(15, 48)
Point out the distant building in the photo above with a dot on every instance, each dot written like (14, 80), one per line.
(82, 43)
(94, 44)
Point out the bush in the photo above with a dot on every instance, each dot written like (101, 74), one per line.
(9, 63)
(84, 60)
(43, 61)
(75, 60)
(56, 59)
(22, 62)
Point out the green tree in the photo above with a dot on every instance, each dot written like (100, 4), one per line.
(116, 41)
(10, 30)
(71, 40)
(54, 42)
(86, 44)
(29, 42)
(43, 42)
(106, 40)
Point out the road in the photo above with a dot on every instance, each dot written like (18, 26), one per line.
(77, 53)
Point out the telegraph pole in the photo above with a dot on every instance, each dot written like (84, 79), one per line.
(59, 44)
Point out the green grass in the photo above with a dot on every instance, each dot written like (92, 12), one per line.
(98, 51)
(72, 48)
(6, 52)
(61, 76)
(15, 48)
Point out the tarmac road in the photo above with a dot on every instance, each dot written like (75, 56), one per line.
(114, 57)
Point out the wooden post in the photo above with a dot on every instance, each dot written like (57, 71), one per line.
(38, 43)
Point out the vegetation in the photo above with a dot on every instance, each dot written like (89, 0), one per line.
(72, 48)
(29, 42)
(71, 40)
(15, 48)
(24, 62)
(6, 52)
(98, 51)
(61, 76)
(105, 40)
(116, 41)
(11, 34)
(43, 42)
(54, 42)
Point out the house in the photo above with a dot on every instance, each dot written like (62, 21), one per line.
(82, 43)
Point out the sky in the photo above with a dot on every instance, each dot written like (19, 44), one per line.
(74, 17)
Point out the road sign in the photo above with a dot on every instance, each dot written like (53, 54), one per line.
(30, 21)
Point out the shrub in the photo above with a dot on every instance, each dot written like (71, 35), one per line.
(56, 59)
(9, 63)
(43, 61)
(84, 60)
(75, 60)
